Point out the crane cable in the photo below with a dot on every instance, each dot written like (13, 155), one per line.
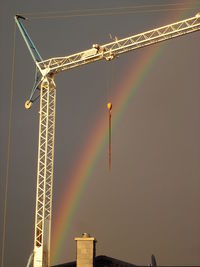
(8, 150)
(107, 11)
(104, 9)
(109, 108)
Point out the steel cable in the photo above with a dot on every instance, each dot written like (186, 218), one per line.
(8, 150)
(108, 11)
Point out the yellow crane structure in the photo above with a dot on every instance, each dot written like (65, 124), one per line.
(44, 83)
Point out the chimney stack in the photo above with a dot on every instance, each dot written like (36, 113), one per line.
(85, 250)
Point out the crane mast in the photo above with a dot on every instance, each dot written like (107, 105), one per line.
(44, 82)
(45, 173)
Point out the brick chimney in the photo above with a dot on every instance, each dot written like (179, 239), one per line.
(85, 250)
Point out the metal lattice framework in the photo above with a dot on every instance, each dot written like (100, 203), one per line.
(47, 69)
(45, 173)
(113, 49)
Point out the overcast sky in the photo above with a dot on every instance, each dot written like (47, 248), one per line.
(150, 202)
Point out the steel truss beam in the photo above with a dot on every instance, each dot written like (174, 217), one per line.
(45, 173)
(113, 49)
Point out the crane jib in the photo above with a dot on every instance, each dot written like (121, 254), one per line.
(111, 50)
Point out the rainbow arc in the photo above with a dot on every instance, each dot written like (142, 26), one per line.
(96, 142)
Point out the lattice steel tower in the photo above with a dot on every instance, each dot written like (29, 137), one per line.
(44, 84)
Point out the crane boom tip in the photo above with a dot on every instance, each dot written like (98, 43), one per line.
(18, 16)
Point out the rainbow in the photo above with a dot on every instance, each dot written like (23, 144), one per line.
(95, 144)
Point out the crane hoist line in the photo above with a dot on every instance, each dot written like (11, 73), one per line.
(45, 85)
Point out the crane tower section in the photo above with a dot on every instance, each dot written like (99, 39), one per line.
(45, 173)
(41, 251)
(44, 82)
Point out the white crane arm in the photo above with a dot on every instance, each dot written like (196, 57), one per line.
(113, 49)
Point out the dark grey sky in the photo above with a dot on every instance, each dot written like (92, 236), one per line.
(150, 202)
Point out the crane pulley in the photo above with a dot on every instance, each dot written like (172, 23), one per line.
(44, 82)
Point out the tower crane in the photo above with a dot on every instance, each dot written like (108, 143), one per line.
(44, 84)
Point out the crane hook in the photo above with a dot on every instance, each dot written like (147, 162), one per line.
(28, 104)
